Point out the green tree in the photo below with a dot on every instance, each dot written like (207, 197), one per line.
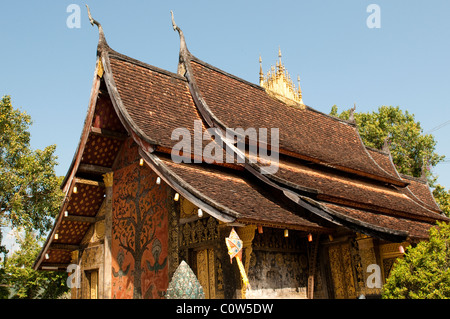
(23, 280)
(411, 149)
(424, 271)
(29, 188)
(29, 199)
(442, 197)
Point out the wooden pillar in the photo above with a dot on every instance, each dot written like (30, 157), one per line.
(107, 272)
(312, 259)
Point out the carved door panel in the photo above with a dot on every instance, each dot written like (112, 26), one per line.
(342, 271)
(92, 277)
(205, 271)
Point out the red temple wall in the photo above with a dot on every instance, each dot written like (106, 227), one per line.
(139, 245)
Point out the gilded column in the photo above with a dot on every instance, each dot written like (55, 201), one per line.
(371, 270)
(108, 180)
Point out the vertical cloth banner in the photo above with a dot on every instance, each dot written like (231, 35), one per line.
(234, 245)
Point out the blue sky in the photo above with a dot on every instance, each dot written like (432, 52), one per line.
(48, 67)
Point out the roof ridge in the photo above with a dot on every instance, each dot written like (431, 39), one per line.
(212, 67)
(120, 56)
(351, 123)
(413, 178)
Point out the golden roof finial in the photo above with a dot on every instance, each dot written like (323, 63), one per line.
(299, 92)
(278, 82)
(280, 64)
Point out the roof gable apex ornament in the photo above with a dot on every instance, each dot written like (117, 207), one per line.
(386, 143)
(351, 116)
(425, 168)
(101, 34)
(184, 52)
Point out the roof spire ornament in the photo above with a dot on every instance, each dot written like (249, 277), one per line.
(351, 116)
(102, 39)
(184, 52)
(278, 83)
(386, 143)
(279, 54)
(299, 91)
(425, 168)
(180, 32)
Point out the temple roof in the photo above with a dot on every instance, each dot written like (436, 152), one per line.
(306, 133)
(326, 178)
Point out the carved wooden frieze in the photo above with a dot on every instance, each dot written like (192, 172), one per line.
(199, 231)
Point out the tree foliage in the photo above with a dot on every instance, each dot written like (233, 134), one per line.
(29, 200)
(29, 188)
(424, 271)
(26, 283)
(442, 197)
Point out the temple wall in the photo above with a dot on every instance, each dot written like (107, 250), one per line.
(358, 265)
(139, 232)
(200, 246)
(278, 265)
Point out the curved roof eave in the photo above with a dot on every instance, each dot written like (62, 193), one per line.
(52, 233)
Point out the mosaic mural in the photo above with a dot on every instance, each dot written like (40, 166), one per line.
(139, 231)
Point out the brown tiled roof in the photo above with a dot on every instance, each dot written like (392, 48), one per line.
(383, 160)
(229, 189)
(416, 229)
(419, 190)
(156, 100)
(337, 187)
(159, 101)
(303, 131)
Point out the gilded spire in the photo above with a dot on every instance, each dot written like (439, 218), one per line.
(299, 90)
(279, 83)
